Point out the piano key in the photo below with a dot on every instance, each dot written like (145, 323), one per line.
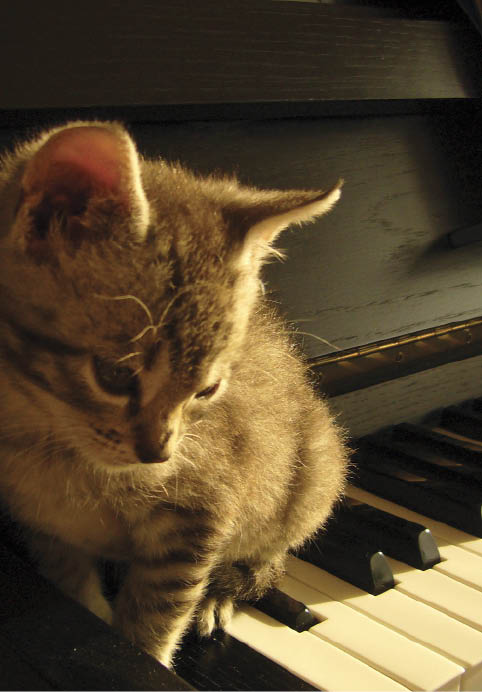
(436, 442)
(351, 558)
(221, 662)
(392, 535)
(382, 648)
(439, 591)
(459, 564)
(286, 610)
(314, 660)
(456, 563)
(436, 499)
(379, 449)
(414, 619)
(443, 533)
(426, 458)
(462, 421)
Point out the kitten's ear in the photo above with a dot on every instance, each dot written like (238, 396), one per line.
(274, 211)
(75, 171)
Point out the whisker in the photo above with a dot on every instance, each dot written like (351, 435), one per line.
(130, 297)
(129, 355)
(143, 332)
(319, 338)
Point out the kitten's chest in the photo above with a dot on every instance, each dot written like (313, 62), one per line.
(95, 530)
(70, 513)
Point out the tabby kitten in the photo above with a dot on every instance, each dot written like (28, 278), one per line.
(152, 408)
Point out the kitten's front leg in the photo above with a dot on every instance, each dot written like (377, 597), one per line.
(156, 604)
(159, 596)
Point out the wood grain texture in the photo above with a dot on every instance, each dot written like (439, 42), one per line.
(147, 53)
(221, 662)
(377, 266)
(48, 641)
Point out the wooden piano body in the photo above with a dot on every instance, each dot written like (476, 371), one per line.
(291, 94)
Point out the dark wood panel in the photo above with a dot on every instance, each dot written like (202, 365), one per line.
(221, 662)
(255, 54)
(16, 673)
(378, 265)
(50, 642)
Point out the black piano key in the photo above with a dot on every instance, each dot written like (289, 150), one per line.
(379, 448)
(431, 498)
(221, 662)
(437, 443)
(351, 559)
(462, 422)
(399, 538)
(286, 610)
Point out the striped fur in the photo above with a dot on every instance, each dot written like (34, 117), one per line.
(153, 410)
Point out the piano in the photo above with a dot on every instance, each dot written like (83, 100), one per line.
(384, 294)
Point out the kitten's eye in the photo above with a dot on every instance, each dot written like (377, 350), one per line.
(114, 378)
(209, 391)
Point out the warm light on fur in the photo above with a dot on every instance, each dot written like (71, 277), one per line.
(153, 409)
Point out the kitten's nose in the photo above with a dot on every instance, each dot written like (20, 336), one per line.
(152, 452)
(151, 456)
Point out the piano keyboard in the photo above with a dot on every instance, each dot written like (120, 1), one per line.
(423, 631)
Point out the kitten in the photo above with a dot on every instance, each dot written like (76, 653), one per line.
(152, 408)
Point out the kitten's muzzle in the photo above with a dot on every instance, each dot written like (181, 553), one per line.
(156, 429)
(152, 452)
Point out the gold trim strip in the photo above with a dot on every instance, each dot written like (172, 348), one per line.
(377, 347)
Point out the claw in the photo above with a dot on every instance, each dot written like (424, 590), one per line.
(214, 614)
(225, 613)
(206, 618)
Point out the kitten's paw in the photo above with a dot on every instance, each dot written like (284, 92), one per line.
(103, 610)
(164, 657)
(214, 614)
(93, 599)
(144, 636)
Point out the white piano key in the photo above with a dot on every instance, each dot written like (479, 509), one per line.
(440, 530)
(441, 592)
(411, 617)
(457, 563)
(460, 564)
(314, 660)
(383, 649)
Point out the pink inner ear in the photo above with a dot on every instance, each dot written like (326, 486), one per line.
(92, 156)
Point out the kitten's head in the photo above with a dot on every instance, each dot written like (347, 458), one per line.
(126, 287)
